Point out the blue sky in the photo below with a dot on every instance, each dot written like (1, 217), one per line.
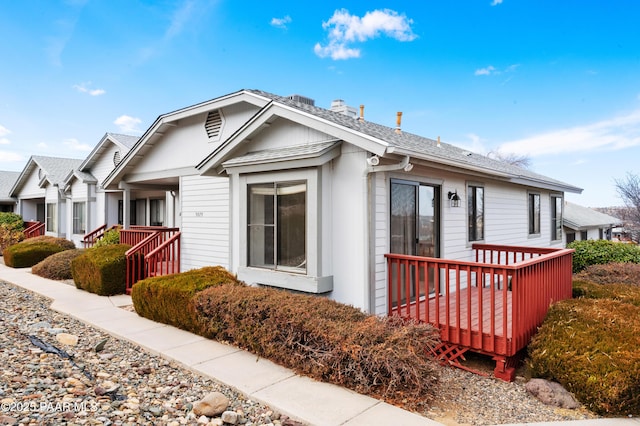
(558, 81)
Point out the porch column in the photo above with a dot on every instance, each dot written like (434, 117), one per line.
(126, 204)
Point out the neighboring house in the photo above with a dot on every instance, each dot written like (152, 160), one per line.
(90, 206)
(39, 190)
(7, 180)
(290, 195)
(583, 223)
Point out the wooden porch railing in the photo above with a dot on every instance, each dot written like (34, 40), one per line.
(90, 239)
(155, 251)
(492, 306)
(33, 229)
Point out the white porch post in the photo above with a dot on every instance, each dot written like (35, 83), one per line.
(126, 203)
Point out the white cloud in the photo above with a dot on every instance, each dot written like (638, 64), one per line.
(474, 144)
(345, 29)
(615, 133)
(4, 131)
(10, 156)
(180, 17)
(491, 70)
(485, 71)
(43, 145)
(84, 88)
(128, 124)
(281, 22)
(496, 2)
(75, 145)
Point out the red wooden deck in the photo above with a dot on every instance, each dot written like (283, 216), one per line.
(473, 322)
(492, 306)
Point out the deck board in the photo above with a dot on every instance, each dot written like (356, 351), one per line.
(463, 327)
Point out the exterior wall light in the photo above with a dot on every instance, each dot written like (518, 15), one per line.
(454, 199)
(374, 160)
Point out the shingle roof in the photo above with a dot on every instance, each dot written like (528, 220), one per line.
(7, 180)
(290, 152)
(417, 146)
(578, 217)
(56, 169)
(127, 141)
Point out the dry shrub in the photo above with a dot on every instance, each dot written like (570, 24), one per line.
(57, 266)
(383, 357)
(168, 299)
(9, 236)
(33, 250)
(621, 292)
(101, 270)
(611, 273)
(592, 347)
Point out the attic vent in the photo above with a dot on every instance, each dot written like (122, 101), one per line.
(213, 125)
(40, 174)
(302, 99)
(116, 158)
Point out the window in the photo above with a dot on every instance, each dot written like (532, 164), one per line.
(132, 213)
(475, 200)
(583, 235)
(156, 212)
(277, 226)
(571, 237)
(556, 217)
(52, 225)
(78, 218)
(534, 214)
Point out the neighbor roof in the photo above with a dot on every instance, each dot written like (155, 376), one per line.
(390, 141)
(7, 180)
(54, 170)
(124, 142)
(579, 218)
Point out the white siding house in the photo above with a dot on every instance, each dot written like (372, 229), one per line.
(40, 192)
(583, 223)
(290, 195)
(7, 180)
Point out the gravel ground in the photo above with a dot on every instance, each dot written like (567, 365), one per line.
(124, 385)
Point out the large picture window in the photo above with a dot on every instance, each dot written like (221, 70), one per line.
(534, 214)
(277, 223)
(475, 199)
(52, 222)
(78, 218)
(556, 217)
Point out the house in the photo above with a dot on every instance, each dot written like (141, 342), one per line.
(39, 190)
(7, 179)
(290, 195)
(89, 205)
(583, 223)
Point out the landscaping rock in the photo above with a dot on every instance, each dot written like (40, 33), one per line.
(213, 404)
(551, 393)
(67, 339)
(230, 417)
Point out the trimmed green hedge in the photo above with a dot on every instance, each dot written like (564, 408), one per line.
(101, 270)
(168, 299)
(57, 266)
(12, 221)
(592, 347)
(592, 252)
(33, 250)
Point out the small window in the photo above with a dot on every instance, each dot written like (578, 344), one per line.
(534, 214)
(132, 213)
(51, 218)
(475, 207)
(78, 218)
(583, 235)
(571, 237)
(277, 226)
(556, 217)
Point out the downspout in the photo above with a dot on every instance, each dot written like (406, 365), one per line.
(366, 187)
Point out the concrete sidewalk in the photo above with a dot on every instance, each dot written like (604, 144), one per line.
(298, 397)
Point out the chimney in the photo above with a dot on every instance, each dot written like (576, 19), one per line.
(399, 122)
(361, 112)
(338, 105)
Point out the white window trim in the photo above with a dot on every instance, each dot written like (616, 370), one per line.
(484, 212)
(539, 233)
(312, 281)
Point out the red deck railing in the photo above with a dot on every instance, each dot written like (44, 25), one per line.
(33, 229)
(492, 306)
(90, 239)
(155, 251)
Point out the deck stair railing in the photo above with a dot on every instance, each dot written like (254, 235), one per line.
(92, 237)
(33, 229)
(155, 251)
(493, 305)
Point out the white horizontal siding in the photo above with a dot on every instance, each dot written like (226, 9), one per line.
(205, 221)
